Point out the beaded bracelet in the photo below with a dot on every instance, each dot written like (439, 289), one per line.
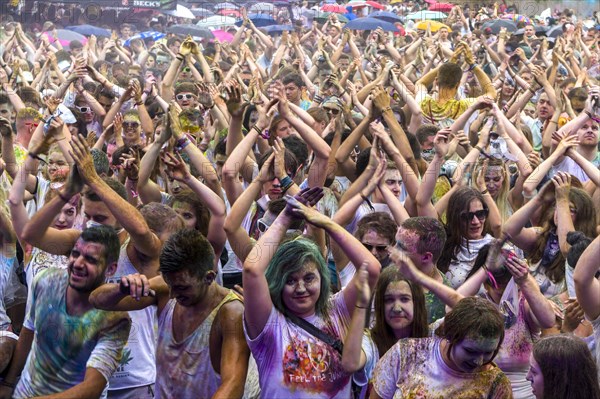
(182, 143)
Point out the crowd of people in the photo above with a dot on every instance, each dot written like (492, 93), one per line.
(315, 212)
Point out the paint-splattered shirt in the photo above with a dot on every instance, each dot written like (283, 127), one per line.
(293, 363)
(413, 368)
(64, 346)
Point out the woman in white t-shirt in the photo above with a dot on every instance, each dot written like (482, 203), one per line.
(289, 281)
(467, 227)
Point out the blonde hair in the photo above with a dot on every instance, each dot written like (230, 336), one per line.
(501, 199)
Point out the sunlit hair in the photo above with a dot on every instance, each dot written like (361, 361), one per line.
(187, 196)
(382, 333)
(161, 218)
(472, 318)
(568, 368)
(379, 222)
(290, 258)
(501, 199)
(456, 228)
(585, 222)
(431, 233)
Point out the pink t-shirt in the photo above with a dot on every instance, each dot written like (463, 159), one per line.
(414, 368)
(293, 363)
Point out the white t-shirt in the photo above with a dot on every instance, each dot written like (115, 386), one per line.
(293, 363)
(459, 269)
(414, 368)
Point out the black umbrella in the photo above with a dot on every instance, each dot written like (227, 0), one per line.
(555, 31)
(193, 30)
(497, 24)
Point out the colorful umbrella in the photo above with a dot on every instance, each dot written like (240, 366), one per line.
(202, 12)
(370, 24)
(321, 17)
(516, 18)
(434, 25)
(443, 7)
(89, 30)
(66, 36)
(259, 20)
(386, 16)
(337, 8)
(222, 36)
(425, 14)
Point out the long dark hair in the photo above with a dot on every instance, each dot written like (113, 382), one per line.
(382, 333)
(455, 226)
(568, 368)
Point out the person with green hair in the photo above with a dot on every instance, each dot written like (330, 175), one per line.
(289, 298)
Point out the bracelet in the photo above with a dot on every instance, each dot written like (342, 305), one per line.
(368, 201)
(490, 277)
(8, 384)
(589, 114)
(287, 187)
(285, 181)
(484, 192)
(137, 104)
(180, 57)
(556, 123)
(388, 108)
(63, 198)
(478, 148)
(258, 130)
(471, 67)
(362, 307)
(182, 143)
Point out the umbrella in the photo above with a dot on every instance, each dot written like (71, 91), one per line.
(89, 30)
(230, 13)
(385, 16)
(66, 36)
(435, 26)
(516, 18)
(262, 7)
(321, 17)
(371, 24)
(222, 36)
(539, 31)
(145, 35)
(368, 3)
(555, 31)
(334, 8)
(180, 12)
(226, 6)
(202, 12)
(216, 21)
(192, 30)
(443, 7)
(273, 29)
(497, 24)
(259, 20)
(425, 14)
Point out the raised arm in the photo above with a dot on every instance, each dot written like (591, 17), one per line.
(353, 357)
(143, 239)
(587, 285)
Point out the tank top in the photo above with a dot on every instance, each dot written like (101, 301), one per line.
(42, 260)
(184, 368)
(138, 363)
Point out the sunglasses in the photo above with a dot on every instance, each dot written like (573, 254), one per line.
(379, 248)
(332, 111)
(262, 226)
(480, 215)
(84, 110)
(131, 125)
(184, 96)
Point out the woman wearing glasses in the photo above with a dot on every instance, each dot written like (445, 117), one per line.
(469, 217)
(563, 209)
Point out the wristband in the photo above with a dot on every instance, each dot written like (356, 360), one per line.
(285, 188)
(35, 156)
(286, 181)
(182, 143)
(484, 192)
(388, 108)
(366, 199)
(471, 67)
(589, 114)
(478, 148)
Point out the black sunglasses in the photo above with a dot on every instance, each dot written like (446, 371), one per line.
(480, 214)
(379, 248)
